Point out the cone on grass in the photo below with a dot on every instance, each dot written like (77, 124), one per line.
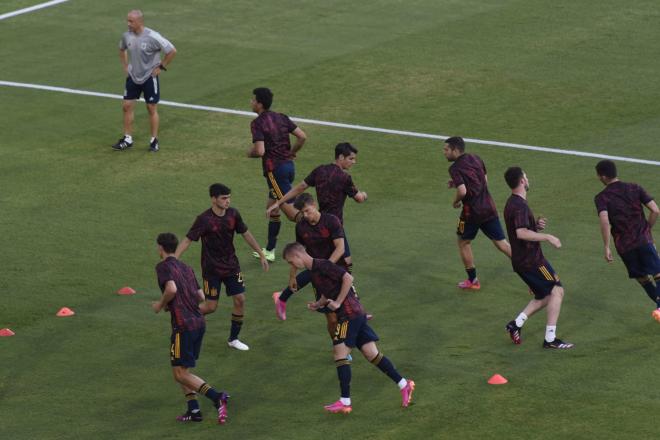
(656, 315)
(126, 291)
(65, 311)
(6, 332)
(497, 379)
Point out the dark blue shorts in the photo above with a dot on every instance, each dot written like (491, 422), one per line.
(354, 333)
(280, 180)
(541, 281)
(185, 347)
(234, 285)
(642, 261)
(150, 88)
(492, 229)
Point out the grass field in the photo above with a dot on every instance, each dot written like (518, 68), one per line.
(79, 220)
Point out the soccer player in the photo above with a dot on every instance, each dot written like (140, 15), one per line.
(621, 211)
(216, 227)
(529, 263)
(468, 176)
(333, 185)
(334, 288)
(323, 237)
(271, 142)
(139, 53)
(181, 295)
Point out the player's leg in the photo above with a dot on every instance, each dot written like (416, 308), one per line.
(152, 97)
(370, 352)
(331, 324)
(132, 92)
(191, 382)
(193, 413)
(128, 109)
(643, 264)
(235, 289)
(540, 287)
(348, 259)
(493, 230)
(280, 298)
(466, 232)
(341, 352)
(211, 288)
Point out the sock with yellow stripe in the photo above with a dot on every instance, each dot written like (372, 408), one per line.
(344, 374)
(193, 404)
(209, 392)
(236, 324)
(274, 226)
(386, 366)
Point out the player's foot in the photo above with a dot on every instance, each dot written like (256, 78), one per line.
(557, 344)
(467, 284)
(280, 306)
(270, 255)
(338, 407)
(122, 144)
(406, 393)
(238, 345)
(514, 331)
(656, 315)
(222, 408)
(153, 146)
(190, 417)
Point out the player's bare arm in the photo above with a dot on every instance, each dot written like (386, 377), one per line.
(346, 283)
(167, 59)
(360, 197)
(182, 247)
(461, 192)
(257, 150)
(339, 250)
(292, 194)
(604, 219)
(123, 58)
(168, 295)
(301, 137)
(529, 235)
(293, 283)
(249, 238)
(653, 215)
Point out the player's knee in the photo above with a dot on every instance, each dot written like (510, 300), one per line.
(558, 291)
(239, 301)
(152, 109)
(463, 243)
(211, 306)
(180, 373)
(127, 106)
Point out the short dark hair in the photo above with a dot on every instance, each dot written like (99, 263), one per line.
(218, 189)
(513, 176)
(344, 149)
(168, 241)
(303, 200)
(292, 247)
(264, 96)
(606, 168)
(456, 143)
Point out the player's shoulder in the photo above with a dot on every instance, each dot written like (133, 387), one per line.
(233, 212)
(330, 219)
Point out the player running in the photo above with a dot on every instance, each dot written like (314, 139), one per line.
(333, 185)
(468, 176)
(181, 295)
(334, 289)
(271, 142)
(216, 227)
(529, 263)
(621, 211)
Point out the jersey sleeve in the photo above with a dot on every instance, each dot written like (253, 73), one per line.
(336, 230)
(311, 178)
(601, 203)
(521, 218)
(290, 125)
(197, 229)
(122, 43)
(299, 238)
(456, 176)
(644, 197)
(257, 132)
(163, 275)
(349, 187)
(240, 226)
(162, 43)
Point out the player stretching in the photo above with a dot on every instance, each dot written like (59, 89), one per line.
(529, 263)
(333, 184)
(271, 142)
(216, 227)
(182, 296)
(323, 237)
(468, 176)
(333, 286)
(621, 209)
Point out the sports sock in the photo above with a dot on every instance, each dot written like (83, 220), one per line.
(302, 279)
(651, 291)
(128, 138)
(345, 401)
(193, 404)
(471, 273)
(152, 139)
(657, 290)
(274, 225)
(236, 324)
(550, 331)
(402, 383)
(520, 320)
(209, 392)
(344, 374)
(386, 366)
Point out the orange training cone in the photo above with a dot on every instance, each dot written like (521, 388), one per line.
(65, 311)
(6, 332)
(496, 379)
(126, 291)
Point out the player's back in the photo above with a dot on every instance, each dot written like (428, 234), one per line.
(478, 205)
(184, 307)
(273, 129)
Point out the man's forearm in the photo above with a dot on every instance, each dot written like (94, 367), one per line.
(181, 248)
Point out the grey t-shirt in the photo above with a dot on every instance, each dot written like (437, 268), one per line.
(144, 52)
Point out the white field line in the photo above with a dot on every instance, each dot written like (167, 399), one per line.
(341, 125)
(31, 9)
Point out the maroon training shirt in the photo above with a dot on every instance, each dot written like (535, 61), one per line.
(273, 129)
(478, 205)
(184, 307)
(332, 185)
(526, 255)
(327, 279)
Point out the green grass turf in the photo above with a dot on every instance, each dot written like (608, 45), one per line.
(79, 220)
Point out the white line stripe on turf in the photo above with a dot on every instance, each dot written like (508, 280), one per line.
(31, 8)
(341, 125)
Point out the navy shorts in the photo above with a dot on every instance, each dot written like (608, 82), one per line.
(234, 285)
(150, 88)
(347, 250)
(280, 180)
(492, 228)
(354, 332)
(642, 261)
(541, 281)
(185, 347)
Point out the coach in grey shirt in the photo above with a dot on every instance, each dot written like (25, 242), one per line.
(139, 52)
